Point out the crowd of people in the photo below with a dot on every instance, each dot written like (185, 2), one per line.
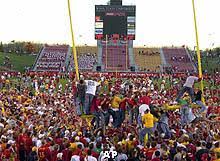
(86, 61)
(180, 59)
(54, 117)
(148, 52)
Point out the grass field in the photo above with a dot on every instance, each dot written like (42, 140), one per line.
(19, 62)
(212, 63)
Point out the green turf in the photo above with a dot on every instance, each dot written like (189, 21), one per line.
(19, 62)
(210, 64)
(63, 82)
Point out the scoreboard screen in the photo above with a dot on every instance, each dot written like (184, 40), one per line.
(115, 22)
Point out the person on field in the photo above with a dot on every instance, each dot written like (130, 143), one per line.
(188, 87)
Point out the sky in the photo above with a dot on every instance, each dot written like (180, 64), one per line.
(158, 22)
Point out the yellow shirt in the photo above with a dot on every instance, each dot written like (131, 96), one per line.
(47, 87)
(130, 145)
(7, 81)
(116, 102)
(73, 146)
(148, 120)
(217, 151)
(19, 98)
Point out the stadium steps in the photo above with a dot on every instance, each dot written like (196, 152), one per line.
(163, 60)
(189, 55)
(68, 58)
(131, 55)
(99, 55)
(38, 55)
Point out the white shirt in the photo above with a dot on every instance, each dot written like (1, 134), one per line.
(91, 86)
(152, 87)
(190, 81)
(191, 115)
(90, 158)
(2, 125)
(77, 143)
(121, 156)
(36, 85)
(38, 143)
(162, 86)
(75, 158)
(143, 108)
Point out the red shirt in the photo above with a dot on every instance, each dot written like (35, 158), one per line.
(132, 102)
(58, 141)
(77, 152)
(191, 148)
(150, 152)
(66, 154)
(6, 154)
(83, 140)
(191, 156)
(123, 104)
(27, 143)
(44, 153)
(145, 100)
(94, 154)
(215, 99)
(74, 89)
(210, 110)
(95, 104)
(105, 105)
(155, 159)
(20, 139)
(54, 155)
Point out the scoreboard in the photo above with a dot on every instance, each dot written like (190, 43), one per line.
(115, 22)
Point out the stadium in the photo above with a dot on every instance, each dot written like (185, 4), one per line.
(113, 101)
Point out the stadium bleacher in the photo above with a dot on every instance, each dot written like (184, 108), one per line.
(178, 59)
(52, 58)
(87, 58)
(86, 61)
(58, 58)
(147, 59)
